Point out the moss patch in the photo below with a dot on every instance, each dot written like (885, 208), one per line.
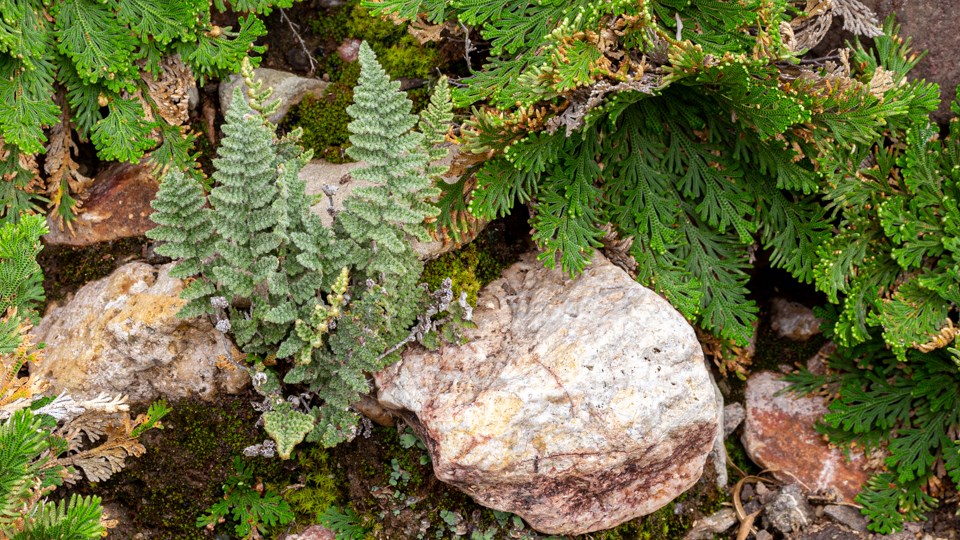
(66, 269)
(182, 473)
(324, 121)
(470, 269)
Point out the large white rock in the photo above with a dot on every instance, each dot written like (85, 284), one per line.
(577, 404)
(120, 335)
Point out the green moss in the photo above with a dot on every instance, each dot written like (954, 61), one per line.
(324, 123)
(470, 269)
(66, 269)
(738, 456)
(320, 482)
(181, 474)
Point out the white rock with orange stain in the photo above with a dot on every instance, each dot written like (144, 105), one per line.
(577, 404)
(120, 335)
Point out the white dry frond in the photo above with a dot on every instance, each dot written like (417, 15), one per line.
(63, 408)
(857, 18)
(106, 403)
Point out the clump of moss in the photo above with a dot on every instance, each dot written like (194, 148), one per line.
(182, 473)
(470, 269)
(319, 483)
(324, 121)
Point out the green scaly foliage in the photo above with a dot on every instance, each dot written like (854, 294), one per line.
(32, 439)
(338, 303)
(893, 268)
(688, 125)
(895, 262)
(907, 409)
(100, 56)
(28, 469)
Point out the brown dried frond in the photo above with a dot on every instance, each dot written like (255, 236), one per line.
(89, 427)
(617, 250)
(169, 90)
(63, 174)
(947, 334)
(102, 461)
(725, 355)
(425, 32)
(881, 82)
(16, 391)
(26, 162)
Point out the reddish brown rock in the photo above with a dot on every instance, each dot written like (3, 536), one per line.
(779, 435)
(116, 206)
(349, 50)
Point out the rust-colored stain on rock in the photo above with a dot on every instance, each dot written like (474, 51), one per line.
(779, 435)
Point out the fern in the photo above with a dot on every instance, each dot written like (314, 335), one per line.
(345, 523)
(253, 509)
(710, 149)
(896, 258)
(909, 408)
(331, 304)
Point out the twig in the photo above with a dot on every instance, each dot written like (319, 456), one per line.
(467, 46)
(296, 34)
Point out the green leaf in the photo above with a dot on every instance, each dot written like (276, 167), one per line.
(124, 135)
(286, 427)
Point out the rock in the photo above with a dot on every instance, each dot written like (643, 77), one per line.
(763, 535)
(319, 173)
(349, 50)
(119, 335)
(733, 415)
(117, 205)
(846, 515)
(298, 58)
(710, 526)
(832, 531)
(314, 532)
(290, 89)
(577, 404)
(817, 364)
(778, 434)
(794, 321)
(718, 456)
(789, 511)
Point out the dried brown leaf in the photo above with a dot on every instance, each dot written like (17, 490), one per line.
(169, 90)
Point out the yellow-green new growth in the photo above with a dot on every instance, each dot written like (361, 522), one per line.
(323, 316)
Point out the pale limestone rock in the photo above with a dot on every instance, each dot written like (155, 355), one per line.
(289, 88)
(120, 335)
(577, 404)
(794, 321)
